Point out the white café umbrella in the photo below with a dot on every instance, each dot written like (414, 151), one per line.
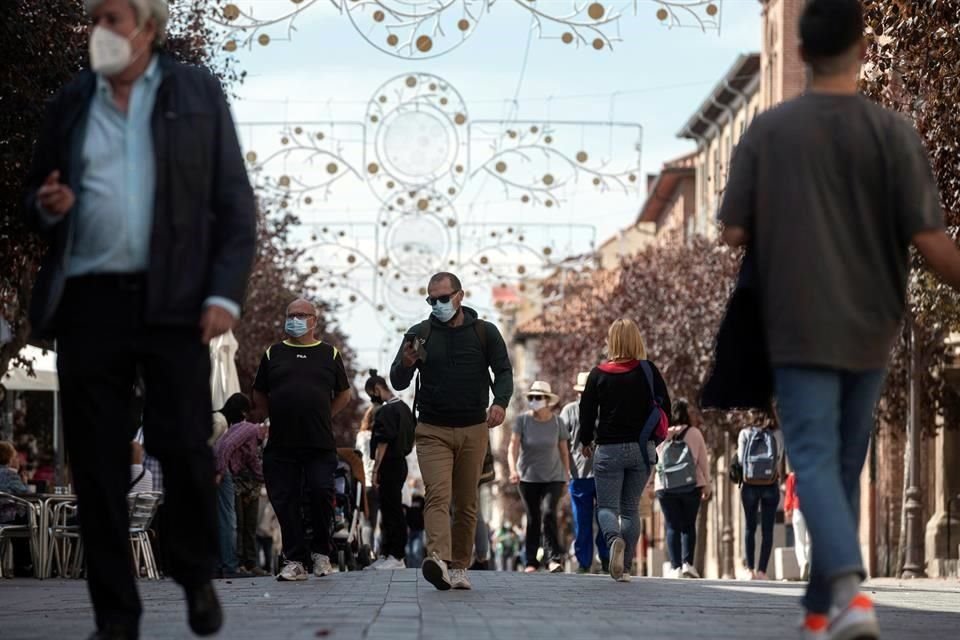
(44, 368)
(224, 381)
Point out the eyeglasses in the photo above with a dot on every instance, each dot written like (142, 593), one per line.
(300, 316)
(444, 299)
(536, 397)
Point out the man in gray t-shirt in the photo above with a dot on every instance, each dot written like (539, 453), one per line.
(829, 190)
(583, 489)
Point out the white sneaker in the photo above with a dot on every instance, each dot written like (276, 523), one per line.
(673, 574)
(857, 622)
(617, 548)
(555, 567)
(458, 579)
(626, 577)
(321, 565)
(389, 564)
(689, 571)
(375, 564)
(292, 572)
(435, 572)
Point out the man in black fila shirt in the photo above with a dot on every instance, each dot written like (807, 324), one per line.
(301, 384)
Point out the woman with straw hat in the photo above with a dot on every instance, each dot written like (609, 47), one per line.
(539, 459)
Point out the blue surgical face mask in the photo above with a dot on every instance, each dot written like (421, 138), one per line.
(295, 327)
(444, 311)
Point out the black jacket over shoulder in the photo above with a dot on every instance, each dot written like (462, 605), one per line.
(617, 399)
(203, 237)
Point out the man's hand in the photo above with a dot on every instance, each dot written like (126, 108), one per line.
(707, 494)
(514, 477)
(495, 416)
(215, 321)
(55, 198)
(410, 355)
(587, 451)
(376, 478)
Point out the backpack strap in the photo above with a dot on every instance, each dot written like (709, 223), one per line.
(680, 436)
(648, 374)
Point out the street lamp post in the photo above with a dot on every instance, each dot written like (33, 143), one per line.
(914, 563)
(726, 535)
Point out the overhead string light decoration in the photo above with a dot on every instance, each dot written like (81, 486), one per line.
(416, 151)
(419, 29)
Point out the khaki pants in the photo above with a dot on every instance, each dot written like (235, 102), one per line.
(451, 461)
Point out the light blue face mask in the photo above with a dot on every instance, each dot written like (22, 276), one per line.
(295, 327)
(444, 311)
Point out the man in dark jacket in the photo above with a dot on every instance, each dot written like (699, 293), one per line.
(139, 187)
(454, 352)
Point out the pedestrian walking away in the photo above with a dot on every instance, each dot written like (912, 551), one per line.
(454, 352)
(583, 490)
(681, 483)
(237, 455)
(815, 181)
(369, 517)
(627, 400)
(233, 413)
(301, 384)
(760, 453)
(539, 460)
(391, 442)
(139, 190)
(801, 536)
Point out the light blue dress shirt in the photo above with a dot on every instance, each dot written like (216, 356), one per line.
(114, 214)
(118, 181)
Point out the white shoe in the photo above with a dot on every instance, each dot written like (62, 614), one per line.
(555, 567)
(689, 571)
(389, 564)
(321, 565)
(674, 574)
(458, 579)
(375, 564)
(626, 577)
(858, 621)
(435, 572)
(617, 548)
(292, 572)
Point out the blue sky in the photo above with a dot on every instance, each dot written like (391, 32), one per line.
(656, 77)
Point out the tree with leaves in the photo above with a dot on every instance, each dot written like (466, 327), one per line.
(42, 45)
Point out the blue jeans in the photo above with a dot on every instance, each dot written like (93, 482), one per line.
(227, 516)
(766, 499)
(621, 475)
(827, 419)
(583, 498)
(680, 516)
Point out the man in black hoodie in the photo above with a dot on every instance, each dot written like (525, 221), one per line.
(454, 352)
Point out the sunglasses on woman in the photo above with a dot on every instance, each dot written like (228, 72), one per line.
(444, 299)
(535, 397)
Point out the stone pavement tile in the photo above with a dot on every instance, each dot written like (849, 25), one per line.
(503, 606)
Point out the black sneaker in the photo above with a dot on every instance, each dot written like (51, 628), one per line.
(204, 612)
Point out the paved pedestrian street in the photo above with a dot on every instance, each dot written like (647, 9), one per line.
(399, 606)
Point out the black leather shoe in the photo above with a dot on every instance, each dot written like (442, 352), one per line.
(115, 632)
(204, 612)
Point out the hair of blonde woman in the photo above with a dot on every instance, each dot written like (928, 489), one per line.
(624, 341)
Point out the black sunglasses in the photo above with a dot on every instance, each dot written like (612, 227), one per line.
(432, 301)
(536, 397)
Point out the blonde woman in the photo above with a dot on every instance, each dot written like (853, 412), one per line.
(368, 525)
(618, 400)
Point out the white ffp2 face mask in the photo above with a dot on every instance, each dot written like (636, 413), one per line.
(110, 53)
(536, 405)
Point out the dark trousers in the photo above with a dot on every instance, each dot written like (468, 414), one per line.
(247, 507)
(764, 498)
(102, 343)
(680, 516)
(540, 499)
(393, 524)
(288, 473)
